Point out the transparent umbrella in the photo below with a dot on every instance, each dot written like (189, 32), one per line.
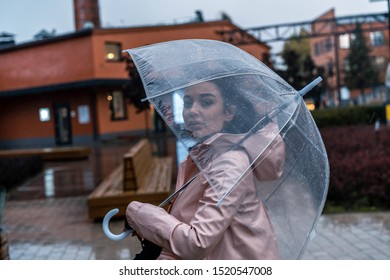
(264, 117)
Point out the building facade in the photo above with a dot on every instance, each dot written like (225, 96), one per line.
(330, 47)
(69, 89)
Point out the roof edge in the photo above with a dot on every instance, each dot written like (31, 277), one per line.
(64, 86)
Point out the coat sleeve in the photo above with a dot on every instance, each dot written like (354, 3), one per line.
(196, 239)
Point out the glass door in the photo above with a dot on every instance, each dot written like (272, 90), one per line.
(63, 127)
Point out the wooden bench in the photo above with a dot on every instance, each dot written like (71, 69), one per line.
(141, 177)
(56, 153)
(4, 248)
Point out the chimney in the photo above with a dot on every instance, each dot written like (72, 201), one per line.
(86, 14)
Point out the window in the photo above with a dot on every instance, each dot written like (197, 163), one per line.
(113, 51)
(178, 106)
(328, 44)
(83, 114)
(117, 105)
(44, 114)
(380, 62)
(346, 66)
(323, 46)
(329, 68)
(344, 41)
(318, 48)
(377, 38)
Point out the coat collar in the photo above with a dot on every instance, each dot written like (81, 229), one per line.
(265, 149)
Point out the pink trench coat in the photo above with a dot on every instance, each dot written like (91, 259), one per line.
(196, 228)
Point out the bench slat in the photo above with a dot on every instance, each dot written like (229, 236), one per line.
(108, 183)
(137, 162)
(155, 184)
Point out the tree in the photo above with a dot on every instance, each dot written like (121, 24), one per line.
(135, 92)
(292, 72)
(359, 69)
(300, 68)
(134, 89)
(266, 59)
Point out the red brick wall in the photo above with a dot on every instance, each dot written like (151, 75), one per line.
(47, 64)
(21, 119)
(82, 58)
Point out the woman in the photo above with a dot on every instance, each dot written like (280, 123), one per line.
(195, 227)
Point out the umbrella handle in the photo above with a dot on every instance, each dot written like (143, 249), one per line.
(106, 228)
(115, 211)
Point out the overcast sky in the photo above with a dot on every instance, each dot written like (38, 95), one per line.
(25, 18)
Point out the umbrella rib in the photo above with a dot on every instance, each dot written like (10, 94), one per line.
(191, 84)
(178, 191)
(308, 140)
(235, 184)
(285, 177)
(273, 114)
(204, 80)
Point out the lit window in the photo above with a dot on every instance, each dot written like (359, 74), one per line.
(113, 51)
(44, 114)
(344, 41)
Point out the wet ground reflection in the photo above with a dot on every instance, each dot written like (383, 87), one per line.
(60, 229)
(75, 178)
(47, 217)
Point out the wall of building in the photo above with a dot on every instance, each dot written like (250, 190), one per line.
(82, 58)
(20, 124)
(322, 56)
(25, 117)
(134, 122)
(327, 57)
(136, 37)
(53, 63)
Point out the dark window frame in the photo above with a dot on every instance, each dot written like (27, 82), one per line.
(117, 105)
(377, 39)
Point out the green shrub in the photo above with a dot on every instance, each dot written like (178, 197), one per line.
(346, 116)
(15, 170)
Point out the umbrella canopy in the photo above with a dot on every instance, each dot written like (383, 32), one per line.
(261, 115)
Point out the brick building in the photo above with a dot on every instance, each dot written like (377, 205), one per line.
(68, 89)
(331, 49)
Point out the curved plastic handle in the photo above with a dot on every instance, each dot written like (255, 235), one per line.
(106, 228)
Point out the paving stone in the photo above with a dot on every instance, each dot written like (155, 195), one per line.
(59, 227)
(89, 242)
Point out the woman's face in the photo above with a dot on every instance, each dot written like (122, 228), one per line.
(204, 112)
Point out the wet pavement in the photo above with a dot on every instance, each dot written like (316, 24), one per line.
(72, 178)
(59, 228)
(47, 218)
